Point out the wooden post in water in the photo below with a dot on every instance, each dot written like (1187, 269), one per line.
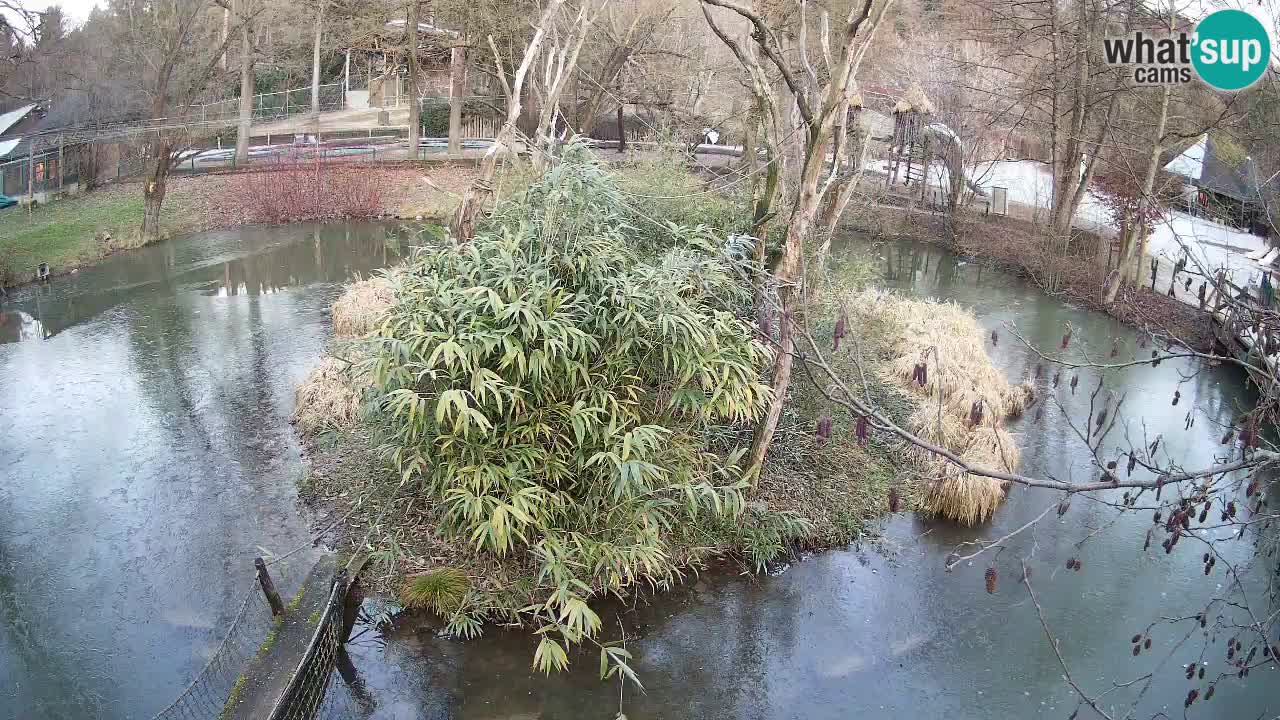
(268, 587)
(622, 131)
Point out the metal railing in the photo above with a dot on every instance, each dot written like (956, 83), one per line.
(273, 106)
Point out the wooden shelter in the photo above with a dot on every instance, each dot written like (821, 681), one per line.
(910, 143)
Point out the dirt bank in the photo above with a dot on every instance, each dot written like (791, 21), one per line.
(1016, 246)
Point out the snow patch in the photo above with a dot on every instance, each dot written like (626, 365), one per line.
(11, 118)
(1210, 246)
(1190, 164)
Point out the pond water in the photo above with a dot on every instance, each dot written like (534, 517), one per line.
(867, 633)
(146, 457)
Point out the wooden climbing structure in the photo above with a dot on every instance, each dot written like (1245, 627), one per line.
(911, 144)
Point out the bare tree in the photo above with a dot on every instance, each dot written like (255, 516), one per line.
(819, 103)
(480, 194)
(558, 67)
(245, 15)
(172, 48)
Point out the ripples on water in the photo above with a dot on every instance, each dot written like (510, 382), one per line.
(145, 456)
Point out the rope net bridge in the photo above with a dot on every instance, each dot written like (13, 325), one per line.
(322, 685)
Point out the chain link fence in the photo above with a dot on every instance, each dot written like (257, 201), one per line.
(323, 686)
(273, 106)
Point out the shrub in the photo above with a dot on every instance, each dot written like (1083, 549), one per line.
(661, 188)
(554, 394)
(441, 591)
(307, 192)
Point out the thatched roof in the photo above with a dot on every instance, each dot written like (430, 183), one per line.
(914, 101)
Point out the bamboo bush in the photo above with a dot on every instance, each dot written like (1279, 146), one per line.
(554, 394)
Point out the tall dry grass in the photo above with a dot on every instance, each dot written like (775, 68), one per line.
(361, 307)
(948, 339)
(329, 398)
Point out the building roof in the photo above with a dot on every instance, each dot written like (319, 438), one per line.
(1203, 164)
(13, 117)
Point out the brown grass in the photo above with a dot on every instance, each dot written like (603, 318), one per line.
(362, 307)
(948, 339)
(329, 399)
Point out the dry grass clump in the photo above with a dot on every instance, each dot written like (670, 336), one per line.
(329, 399)
(947, 339)
(362, 307)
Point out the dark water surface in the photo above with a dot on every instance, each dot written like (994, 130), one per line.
(146, 457)
(868, 634)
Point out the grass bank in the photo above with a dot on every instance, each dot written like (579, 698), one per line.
(76, 232)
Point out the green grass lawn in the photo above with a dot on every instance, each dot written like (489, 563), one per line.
(63, 233)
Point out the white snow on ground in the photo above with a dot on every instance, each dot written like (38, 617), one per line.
(1030, 183)
(1208, 245)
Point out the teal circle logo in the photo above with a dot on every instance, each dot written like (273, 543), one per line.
(1232, 50)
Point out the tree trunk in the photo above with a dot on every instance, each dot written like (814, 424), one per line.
(750, 127)
(153, 190)
(246, 87)
(411, 27)
(622, 131)
(315, 60)
(843, 191)
(457, 96)
(226, 29)
(790, 285)
(1133, 246)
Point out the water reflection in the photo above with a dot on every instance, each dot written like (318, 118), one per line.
(17, 326)
(146, 457)
(850, 634)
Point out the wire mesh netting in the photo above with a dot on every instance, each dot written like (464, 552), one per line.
(206, 697)
(306, 695)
